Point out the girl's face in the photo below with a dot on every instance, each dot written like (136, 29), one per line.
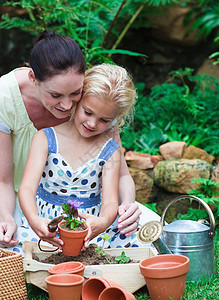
(93, 116)
(61, 92)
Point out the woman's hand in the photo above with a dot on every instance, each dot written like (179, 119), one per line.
(7, 231)
(129, 216)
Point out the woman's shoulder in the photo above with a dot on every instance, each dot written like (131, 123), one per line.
(10, 92)
(17, 72)
(6, 79)
(21, 75)
(11, 82)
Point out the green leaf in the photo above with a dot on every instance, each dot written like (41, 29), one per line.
(120, 51)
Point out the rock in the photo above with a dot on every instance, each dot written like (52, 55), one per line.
(215, 173)
(142, 161)
(169, 27)
(172, 150)
(208, 68)
(143, 184)
(175, 175)
(193, 152)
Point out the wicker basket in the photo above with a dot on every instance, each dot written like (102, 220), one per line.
(12, 282)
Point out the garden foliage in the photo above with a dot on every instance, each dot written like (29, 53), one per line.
(98, 26)
(184, 108)
(184, 111)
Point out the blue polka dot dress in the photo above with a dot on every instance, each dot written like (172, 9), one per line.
(59, 182)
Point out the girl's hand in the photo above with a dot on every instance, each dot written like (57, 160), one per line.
(40, 227)
(129, 216)
(96, 226)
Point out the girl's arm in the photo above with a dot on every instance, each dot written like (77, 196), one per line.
(128, 210)
(110, 189)
(27, 192)
(8, 225)
(109, 201)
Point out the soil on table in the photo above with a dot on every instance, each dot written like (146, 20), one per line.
(87, 257)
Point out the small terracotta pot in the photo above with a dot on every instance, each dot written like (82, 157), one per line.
(64, 286)
(93, 287)
(70, 267)
(165, 275)
(73, 240)
(112, 283)
(118, 293)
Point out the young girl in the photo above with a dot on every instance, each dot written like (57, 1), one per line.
(77, 160)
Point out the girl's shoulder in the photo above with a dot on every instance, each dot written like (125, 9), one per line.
(61, 128)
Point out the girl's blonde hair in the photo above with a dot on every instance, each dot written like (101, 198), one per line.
(112, 83)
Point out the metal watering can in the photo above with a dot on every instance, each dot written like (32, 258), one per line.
(190, 238)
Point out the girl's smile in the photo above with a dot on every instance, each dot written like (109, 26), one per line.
(87, 129)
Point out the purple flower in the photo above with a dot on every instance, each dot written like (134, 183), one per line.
(74, 203)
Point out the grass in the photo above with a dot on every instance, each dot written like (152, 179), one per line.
(193, 291)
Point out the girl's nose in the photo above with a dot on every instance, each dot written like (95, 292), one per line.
(92, 122)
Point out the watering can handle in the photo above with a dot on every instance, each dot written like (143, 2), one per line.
(210, 214)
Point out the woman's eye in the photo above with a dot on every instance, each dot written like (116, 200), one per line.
(87, 113)
(76, 93)
(55, 96)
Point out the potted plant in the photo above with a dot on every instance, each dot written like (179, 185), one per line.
(72, 230)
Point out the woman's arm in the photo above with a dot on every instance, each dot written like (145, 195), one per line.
(109, 201)
(8, 225)
(128, 211)
(30, 181)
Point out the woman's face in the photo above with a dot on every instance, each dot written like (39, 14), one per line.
(61, 92)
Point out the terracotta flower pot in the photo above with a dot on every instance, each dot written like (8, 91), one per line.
(165, 275)
(93, 287)
(73, 240)
(112, 283)
(70, 267)
(118, 293)
(64, 286)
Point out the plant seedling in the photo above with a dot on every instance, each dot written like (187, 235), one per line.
(100, 250)
(122, 259)
(70, 209)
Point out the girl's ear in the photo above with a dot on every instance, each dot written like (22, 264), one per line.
(32, 77)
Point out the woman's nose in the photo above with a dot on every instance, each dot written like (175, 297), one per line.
(66, 103)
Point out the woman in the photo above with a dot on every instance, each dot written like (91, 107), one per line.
(38, 97)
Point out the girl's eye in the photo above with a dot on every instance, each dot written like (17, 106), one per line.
(104, 121)
(87, 113)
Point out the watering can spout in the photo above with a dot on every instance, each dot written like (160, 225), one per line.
(161, 247)
(150, 232)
